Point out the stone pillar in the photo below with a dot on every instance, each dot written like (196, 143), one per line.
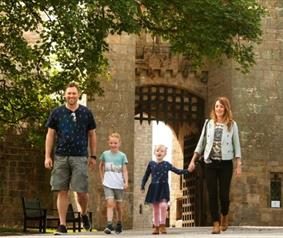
(142, 154)
(114, 112)
(176, 192)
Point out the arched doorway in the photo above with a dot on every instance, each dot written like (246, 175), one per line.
(184, 113)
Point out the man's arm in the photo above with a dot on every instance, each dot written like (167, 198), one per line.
(49, 141)
(92, 148)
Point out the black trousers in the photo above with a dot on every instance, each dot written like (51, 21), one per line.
(218, 175)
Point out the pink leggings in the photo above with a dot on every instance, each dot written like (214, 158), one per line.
(159, 212)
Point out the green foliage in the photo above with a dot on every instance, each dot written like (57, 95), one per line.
(208, 28)
(70, 41)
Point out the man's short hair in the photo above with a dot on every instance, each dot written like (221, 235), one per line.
(73, 84)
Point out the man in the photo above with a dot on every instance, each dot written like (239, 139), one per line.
(74, 127)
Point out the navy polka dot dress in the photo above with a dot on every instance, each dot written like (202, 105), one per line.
(158, 189)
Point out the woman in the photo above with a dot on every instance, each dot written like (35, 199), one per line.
(221, 144)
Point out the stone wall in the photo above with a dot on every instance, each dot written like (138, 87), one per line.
(175, 190)
(257, 107)
(142, 155)
(115, 112)
(22, 173)
(156, 64)
(258, 103)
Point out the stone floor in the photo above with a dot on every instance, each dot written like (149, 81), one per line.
(200, 232)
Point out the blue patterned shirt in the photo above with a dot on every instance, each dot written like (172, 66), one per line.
(72, 130)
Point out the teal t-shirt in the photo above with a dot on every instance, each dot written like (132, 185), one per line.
(113, 169)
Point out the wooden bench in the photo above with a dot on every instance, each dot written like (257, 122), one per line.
(33, 211)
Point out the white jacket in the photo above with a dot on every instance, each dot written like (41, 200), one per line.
(230, 143)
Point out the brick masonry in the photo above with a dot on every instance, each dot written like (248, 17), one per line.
(115, 112)
(257, 107)
(22, 173)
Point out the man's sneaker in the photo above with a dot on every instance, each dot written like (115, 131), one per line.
(108, 229)
(86, 222)
(61, 230)
(118, 228)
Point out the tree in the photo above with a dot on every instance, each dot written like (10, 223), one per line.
(71, 41)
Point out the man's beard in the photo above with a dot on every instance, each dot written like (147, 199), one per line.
(72, 101)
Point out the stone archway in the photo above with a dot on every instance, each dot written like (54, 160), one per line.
(183, 112)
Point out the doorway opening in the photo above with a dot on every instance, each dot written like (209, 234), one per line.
(182, 113)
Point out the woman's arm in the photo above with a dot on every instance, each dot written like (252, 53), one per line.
(201, 142)
(236, 141)
(199, 148)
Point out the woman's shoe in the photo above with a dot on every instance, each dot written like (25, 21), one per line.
(155, 230)
(216, 228)
(162, 229)
(224, 223)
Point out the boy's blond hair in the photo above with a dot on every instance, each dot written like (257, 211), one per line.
(115, 135)
(160, 146)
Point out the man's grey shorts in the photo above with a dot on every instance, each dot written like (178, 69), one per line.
(112, 193)
(70, 172)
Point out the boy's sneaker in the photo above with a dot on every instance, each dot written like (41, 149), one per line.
(86, 222)
(61, 230)
(118, 228)
(108, 229)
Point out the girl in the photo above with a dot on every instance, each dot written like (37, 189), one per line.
(220, 146)
(158, 193)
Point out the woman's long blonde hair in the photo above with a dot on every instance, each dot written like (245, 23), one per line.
(228, 117)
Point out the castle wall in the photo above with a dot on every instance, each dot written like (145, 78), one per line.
(142, 217)
(257, 107)
(22, 174)
(256, 104)
(114, 112)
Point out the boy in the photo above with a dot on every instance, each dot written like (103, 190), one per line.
(114, 175)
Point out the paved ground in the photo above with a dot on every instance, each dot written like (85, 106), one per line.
(199, 232)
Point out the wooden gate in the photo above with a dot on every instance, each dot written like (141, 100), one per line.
(194, 204)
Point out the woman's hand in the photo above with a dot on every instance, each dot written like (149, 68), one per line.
(192, 166)
(238, 169)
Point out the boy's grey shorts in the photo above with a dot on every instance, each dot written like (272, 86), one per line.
(70, 172)
(112, 193)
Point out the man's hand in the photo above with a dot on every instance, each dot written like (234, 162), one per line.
(48, 163)
(91, 163)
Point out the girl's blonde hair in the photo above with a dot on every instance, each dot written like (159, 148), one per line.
(160, 146)
(115, 135)
(228, 117)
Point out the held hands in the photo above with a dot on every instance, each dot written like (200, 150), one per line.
(191, 166)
